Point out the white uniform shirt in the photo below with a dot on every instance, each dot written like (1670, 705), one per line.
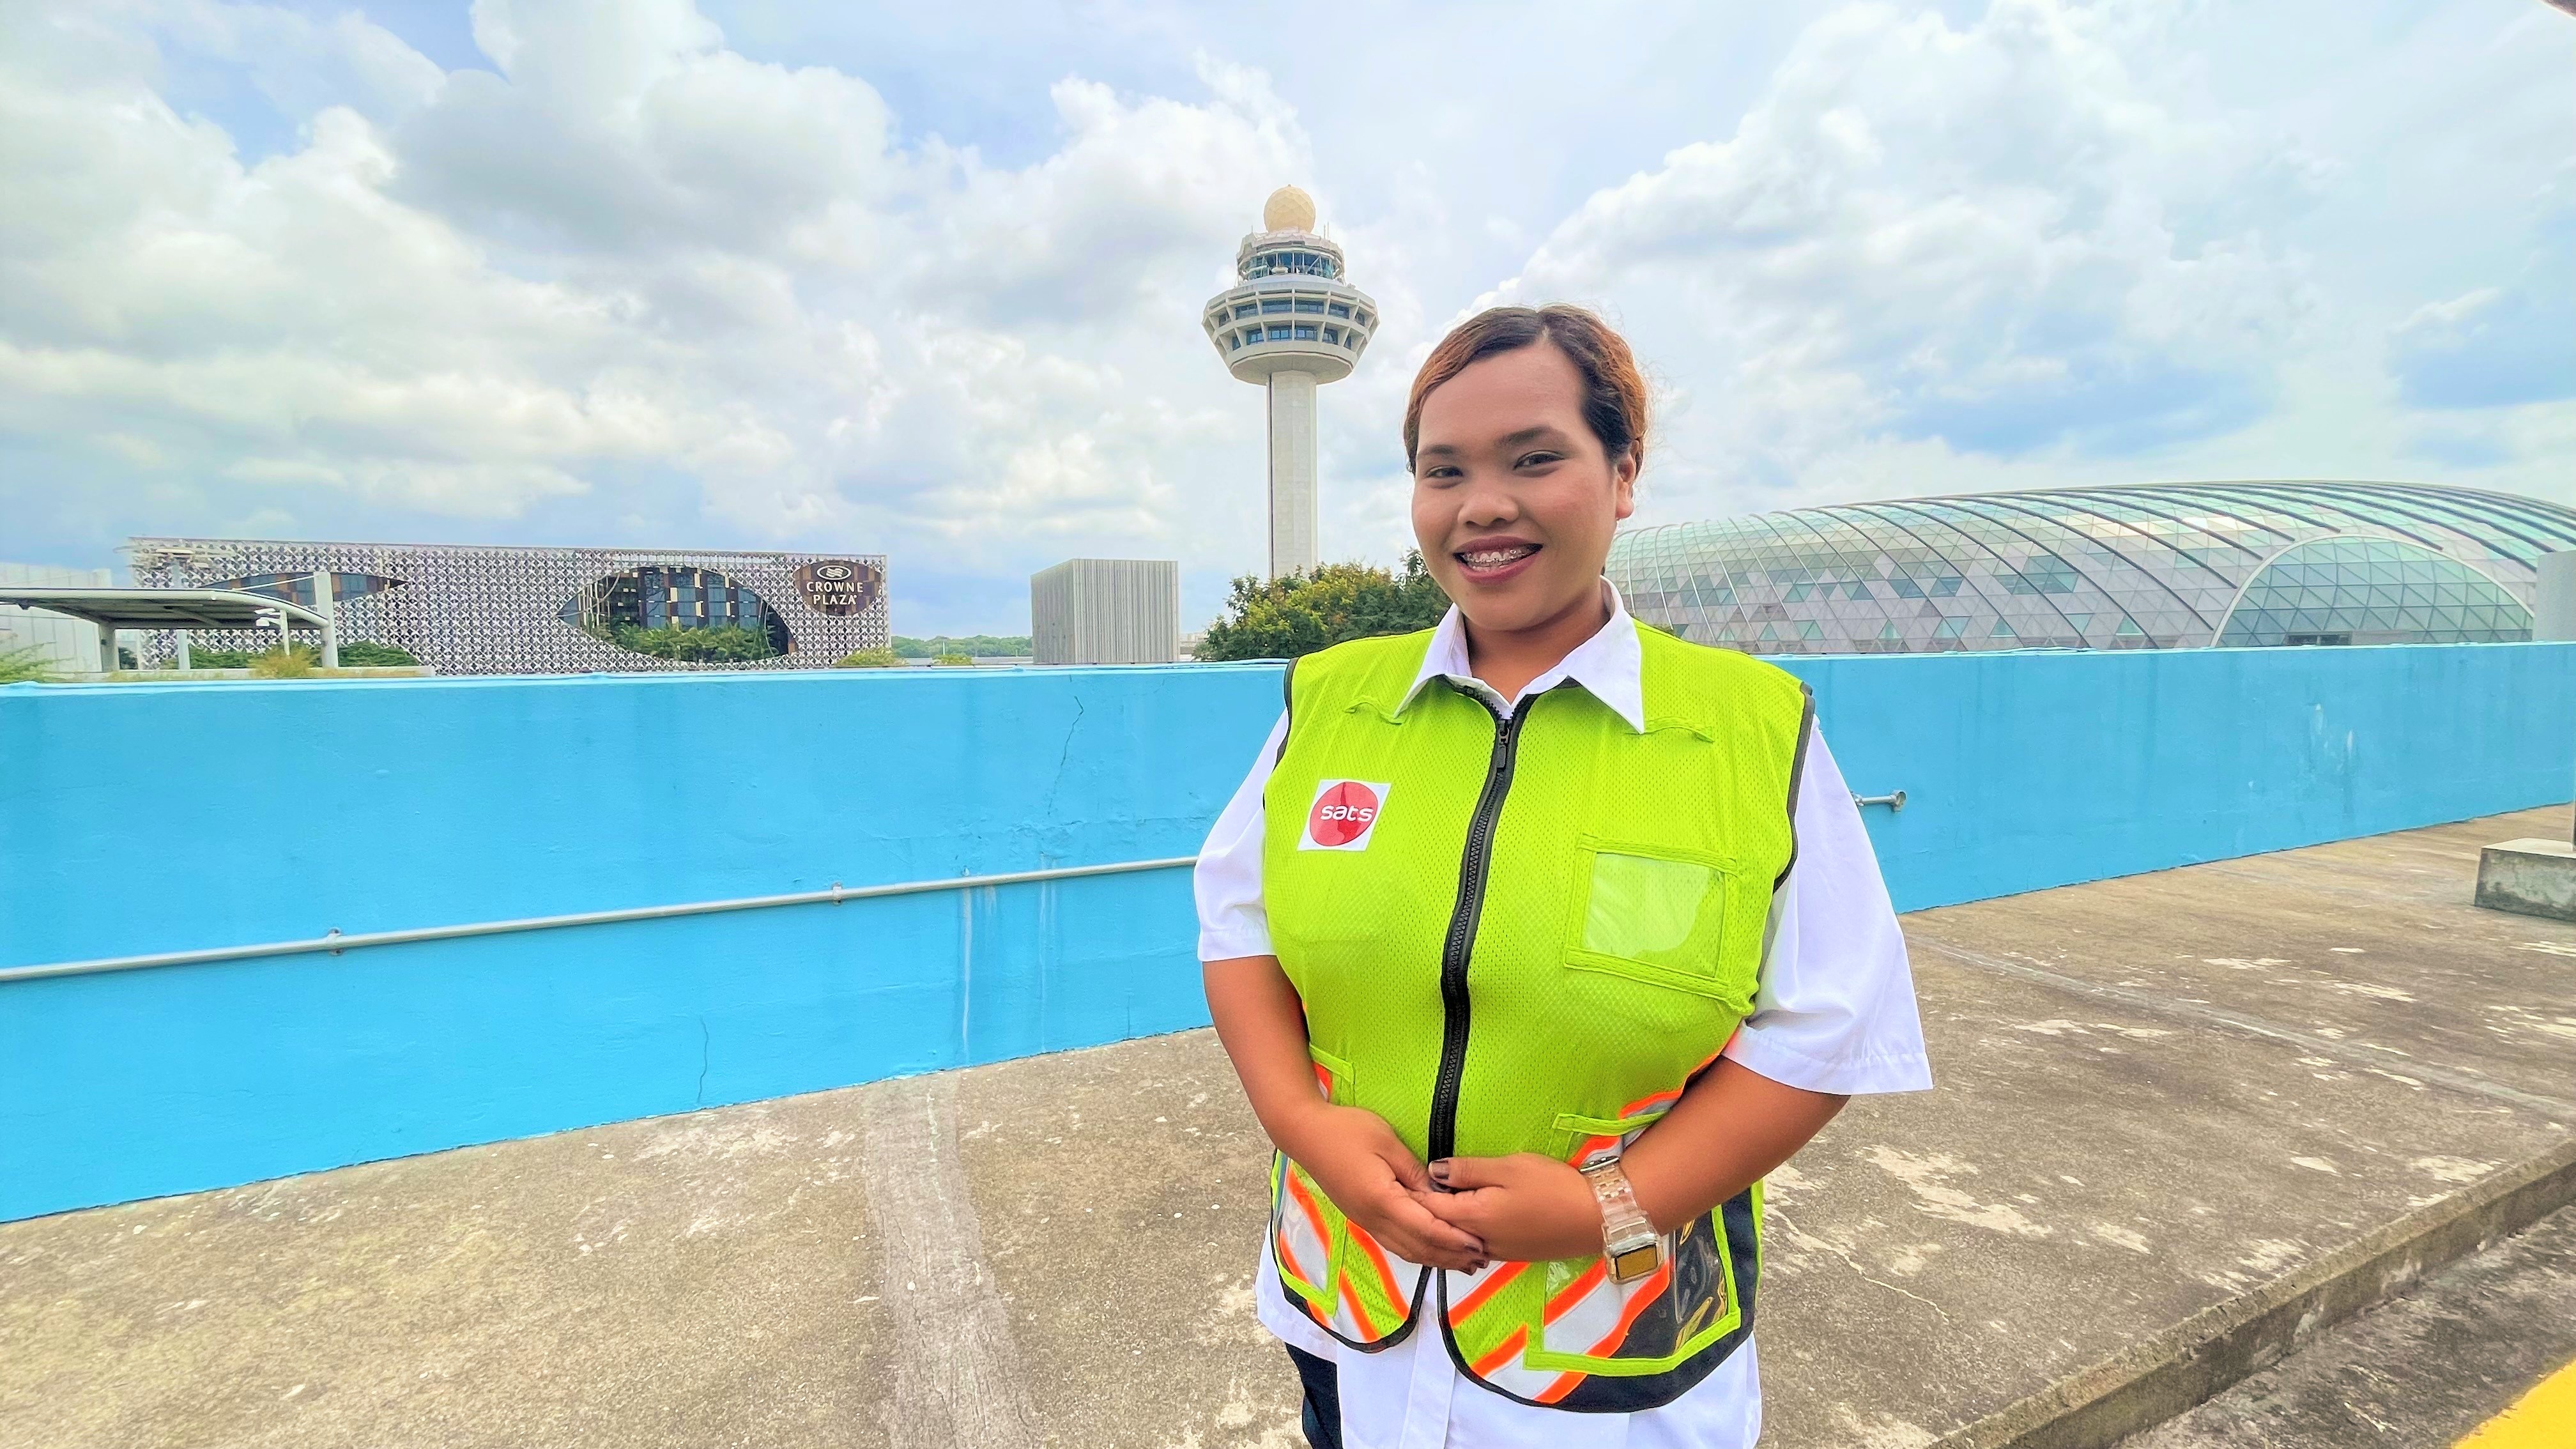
(1834, 1013)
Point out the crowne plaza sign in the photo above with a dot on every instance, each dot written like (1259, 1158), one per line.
(839, 586)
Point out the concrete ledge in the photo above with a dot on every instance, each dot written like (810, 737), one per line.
(2529, 878)
(2213, 1350)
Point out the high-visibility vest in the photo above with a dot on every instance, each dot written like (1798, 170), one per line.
(1527, 935)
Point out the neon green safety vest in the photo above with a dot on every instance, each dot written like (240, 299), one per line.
(1527, 936)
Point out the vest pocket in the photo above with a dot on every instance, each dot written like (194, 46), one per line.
(1651, 913)
(1331, 1267)
(1589, 1324)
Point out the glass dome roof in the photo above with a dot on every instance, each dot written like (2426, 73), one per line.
(2152, 566)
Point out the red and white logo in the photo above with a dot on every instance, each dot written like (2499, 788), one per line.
(1344, 815)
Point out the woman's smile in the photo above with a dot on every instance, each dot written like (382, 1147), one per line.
(1492, 560)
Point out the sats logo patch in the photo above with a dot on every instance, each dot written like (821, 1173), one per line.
(1344, 815)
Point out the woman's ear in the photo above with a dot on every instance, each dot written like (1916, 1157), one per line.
(1623, 482)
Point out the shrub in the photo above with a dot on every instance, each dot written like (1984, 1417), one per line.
(952, 659)
(870, 659)
(296, 662)
(724, 645)
(367, 654)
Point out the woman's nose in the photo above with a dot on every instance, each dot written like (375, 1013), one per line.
(1486, 506)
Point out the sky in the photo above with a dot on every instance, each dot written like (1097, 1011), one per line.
(924, 280)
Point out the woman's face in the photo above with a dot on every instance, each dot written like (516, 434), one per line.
(1514, 501)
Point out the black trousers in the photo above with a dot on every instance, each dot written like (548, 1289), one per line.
(1322, 1418)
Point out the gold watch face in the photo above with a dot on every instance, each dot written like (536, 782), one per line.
(1635, 1263)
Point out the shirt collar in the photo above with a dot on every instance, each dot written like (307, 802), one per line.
(1610, 666)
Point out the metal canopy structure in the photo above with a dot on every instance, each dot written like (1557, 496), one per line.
(175, 609)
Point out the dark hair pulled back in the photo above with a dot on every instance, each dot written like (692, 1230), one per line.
(1614, 391)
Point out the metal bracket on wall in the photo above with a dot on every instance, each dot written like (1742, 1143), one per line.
(1894, 801)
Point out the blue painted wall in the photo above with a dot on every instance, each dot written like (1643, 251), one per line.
(2024, 771)
(163, 817)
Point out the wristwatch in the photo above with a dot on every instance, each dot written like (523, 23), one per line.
(1629, 1246)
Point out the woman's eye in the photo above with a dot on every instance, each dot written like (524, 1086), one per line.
(1536, 460)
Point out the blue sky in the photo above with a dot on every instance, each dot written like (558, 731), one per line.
(923, 280)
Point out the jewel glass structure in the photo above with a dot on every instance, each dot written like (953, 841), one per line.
(2153, 566)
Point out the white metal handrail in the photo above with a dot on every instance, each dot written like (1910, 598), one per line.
(336, 942)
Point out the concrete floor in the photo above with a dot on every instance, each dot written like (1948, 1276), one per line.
(2155, 1093)
(2419, 1372)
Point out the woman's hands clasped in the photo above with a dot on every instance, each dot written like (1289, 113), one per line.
(1525, 1208)
(1374, 1178)
(1458, 1213)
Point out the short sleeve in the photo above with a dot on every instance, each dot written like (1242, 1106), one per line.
(1233, 920)
(1835, 1011)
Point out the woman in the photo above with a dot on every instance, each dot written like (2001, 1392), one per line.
(1537, 940)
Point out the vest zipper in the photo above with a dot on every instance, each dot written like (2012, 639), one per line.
(1461, 941)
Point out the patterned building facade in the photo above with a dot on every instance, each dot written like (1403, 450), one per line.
(463, 609)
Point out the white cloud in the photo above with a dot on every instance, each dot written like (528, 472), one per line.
(636, 282)
(2499, 346)
(1990, 237)
(631, 244)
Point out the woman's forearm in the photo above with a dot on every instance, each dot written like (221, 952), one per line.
(1729, 1129)
(1262, 1025)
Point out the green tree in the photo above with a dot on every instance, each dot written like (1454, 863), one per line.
(1283, 618)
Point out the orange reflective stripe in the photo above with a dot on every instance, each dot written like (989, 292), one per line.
(1377, 1259)
(1659, 1099)
(1314, 1214)
(1502, 1353)
(1492, 1285)
(1590, 1145)
(1563, 1386)
(1359, 1310)
(1647, 1292)
(1324, 1078)
(1572, 1293)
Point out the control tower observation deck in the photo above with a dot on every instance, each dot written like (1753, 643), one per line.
(1291, 324)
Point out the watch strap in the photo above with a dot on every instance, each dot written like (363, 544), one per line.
(1630, 1247)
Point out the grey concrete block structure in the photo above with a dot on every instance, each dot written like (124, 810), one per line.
(1106, 611)
(2529, 878)
(2553, 605)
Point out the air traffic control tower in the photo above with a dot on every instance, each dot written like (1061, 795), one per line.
(1291, 324)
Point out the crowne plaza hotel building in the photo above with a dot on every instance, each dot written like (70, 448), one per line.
(477, 610)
